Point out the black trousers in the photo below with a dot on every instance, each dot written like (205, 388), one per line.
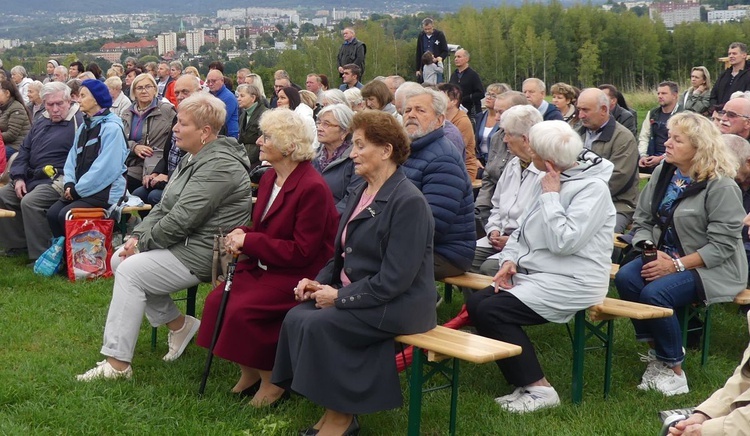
(56, 213)
(501, 316)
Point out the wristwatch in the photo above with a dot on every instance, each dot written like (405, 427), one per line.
(680, 266)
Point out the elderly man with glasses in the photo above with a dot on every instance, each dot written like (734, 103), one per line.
(654, 129)
(735, 117)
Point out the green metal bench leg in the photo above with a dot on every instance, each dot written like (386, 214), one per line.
(706, 336)
(415, 393)
(454, 397)
(448, 293)
(192, 294)
(579, 343)
(608, 358)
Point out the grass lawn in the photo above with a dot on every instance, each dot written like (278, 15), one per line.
(52, 329)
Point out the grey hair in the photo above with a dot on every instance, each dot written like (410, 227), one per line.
(353, 97)
(54, 88)
(62, 69)
(439, 99)
(251, 89)
(333, 96)
(740, 94)
(738, 146)
(35, 84)
(289, 134)
(113, 82)
(176, 64)
(518, 120)
(341, 113)
(538, 82)
(257, 81)
(18, 69)
(557, 142)
(427, 21)
(404, 91)
(516, 98)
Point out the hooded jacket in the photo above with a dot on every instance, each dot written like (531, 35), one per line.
(563, 246)
(96, 161)
(208, 192)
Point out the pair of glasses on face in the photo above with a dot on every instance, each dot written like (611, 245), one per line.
(732, 114)
(325, 124)
(144, 88)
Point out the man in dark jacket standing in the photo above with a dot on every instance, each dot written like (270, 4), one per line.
(437, 168)
(432, 40)
(735, 78)
(37, 174)
(352, 51)
(469, 82)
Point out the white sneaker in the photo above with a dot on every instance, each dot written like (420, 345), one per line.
(103, 370)
(511, 396)
(533, 398)
(651, 369)
(668, 382)
(179, 340)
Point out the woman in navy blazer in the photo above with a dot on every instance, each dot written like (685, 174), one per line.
(336, 348)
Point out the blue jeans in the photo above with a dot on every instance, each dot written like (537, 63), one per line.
(151, 197)
(673, 291)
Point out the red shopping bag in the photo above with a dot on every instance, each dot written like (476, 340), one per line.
(88, 244)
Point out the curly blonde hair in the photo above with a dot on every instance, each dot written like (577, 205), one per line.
(289, 134)
(712, 158)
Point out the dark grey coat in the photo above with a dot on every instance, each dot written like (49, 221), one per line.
(340, 177)
(388, 259)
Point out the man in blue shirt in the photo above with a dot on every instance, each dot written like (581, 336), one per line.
(215, 82)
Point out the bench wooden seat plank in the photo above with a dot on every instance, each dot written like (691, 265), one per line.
(469, 280)
(743, 297)
(618, 243)
(445, 348)
(7, 213)
(612, 308)
(131, 209)
(447, 343)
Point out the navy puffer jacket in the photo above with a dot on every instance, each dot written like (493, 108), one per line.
(437, 169)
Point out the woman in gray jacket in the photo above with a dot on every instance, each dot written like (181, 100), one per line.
(172, 248)
(692, 210)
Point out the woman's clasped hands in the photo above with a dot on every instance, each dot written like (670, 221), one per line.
(323, 295)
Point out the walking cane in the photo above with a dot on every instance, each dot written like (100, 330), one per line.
(219, 322)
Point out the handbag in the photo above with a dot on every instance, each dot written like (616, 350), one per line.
(52, 260)
(88, 243)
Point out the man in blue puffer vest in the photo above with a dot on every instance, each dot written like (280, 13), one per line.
(437, 168)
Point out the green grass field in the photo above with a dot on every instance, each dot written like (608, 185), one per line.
(52, 330)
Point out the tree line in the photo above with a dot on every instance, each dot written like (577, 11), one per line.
(580, 45)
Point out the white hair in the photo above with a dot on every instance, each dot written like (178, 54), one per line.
(518, 120)
(439, 99)
(557, 142)
(333, 96)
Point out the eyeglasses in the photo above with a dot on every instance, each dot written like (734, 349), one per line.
(144, 88)
(490, 95)
(732, 114)
(212, 81)
(325, 124)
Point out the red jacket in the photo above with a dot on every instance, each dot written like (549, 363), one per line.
(296, 237)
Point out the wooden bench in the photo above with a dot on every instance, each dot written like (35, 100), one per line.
(128, 211)
(7, 213)
(599, 326)
(476, 183)
(445, 348)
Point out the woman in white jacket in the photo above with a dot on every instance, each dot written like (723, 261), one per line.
(555, 264)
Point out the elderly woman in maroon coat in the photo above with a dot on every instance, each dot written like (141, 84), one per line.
(294, 227)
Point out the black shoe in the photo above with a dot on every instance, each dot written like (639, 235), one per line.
(15, 252)
(250, 391)
(353, 429)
